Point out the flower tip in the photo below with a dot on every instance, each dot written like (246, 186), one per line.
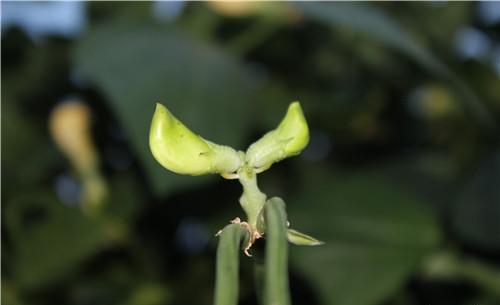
(295, 105)
(161, 117)
(159, 108)
(295, 108)
(288, 139)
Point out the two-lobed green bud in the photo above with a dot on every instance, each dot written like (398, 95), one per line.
(180, 150)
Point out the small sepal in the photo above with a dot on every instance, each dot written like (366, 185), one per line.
(301, 239)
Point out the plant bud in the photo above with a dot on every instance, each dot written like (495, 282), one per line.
(287, 140)
(69, 125)
(180, 150)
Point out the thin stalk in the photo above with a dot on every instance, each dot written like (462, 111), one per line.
(226, 277)
(259, 274)
(252, 200)
(276, 291)
(448, 264)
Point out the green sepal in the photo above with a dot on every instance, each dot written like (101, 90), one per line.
(301, 239)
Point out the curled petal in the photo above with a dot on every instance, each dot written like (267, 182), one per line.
(180, 150)
(287, 140)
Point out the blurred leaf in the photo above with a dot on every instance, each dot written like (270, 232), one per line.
(10, 295)
(373, 22)
(49, 239)
(125, 199)
(369, 20)
(477, 212)
(375, 236)
(150, 293)
(27, 155)
(137, 65)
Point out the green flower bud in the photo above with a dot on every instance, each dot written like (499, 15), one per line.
(288, 139)
(180, 150)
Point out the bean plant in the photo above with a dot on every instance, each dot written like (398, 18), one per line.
(181, 151)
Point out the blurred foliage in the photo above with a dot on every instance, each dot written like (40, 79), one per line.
(37, 220)
(401, 176)
(478, 200)
(192, 80)
(375, 236)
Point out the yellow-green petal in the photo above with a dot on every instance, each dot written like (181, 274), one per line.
(288, 139)
(180, 150)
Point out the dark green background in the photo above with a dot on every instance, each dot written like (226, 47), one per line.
(401, 178)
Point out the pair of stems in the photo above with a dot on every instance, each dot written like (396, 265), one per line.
(275, 280)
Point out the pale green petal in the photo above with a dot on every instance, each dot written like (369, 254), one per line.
(288, 139)
(181, 151)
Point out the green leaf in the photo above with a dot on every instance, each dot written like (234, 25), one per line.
(49, 239)
(139, 64)
(10, 295)
(27, 155)
(228, 252)
(276, 291)
(375, 236)
(476, 214)
(376, 25)
(301, 239)
(373, 22)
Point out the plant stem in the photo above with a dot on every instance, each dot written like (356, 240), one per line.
(447, 264)
(252, 201)
(228, 252)
(259, 274)
(276, 291)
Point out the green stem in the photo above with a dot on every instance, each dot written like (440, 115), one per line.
(259, 275)
(276, 291)
(228, 252)
(482, 275)
(447, 264)
(252, 201)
